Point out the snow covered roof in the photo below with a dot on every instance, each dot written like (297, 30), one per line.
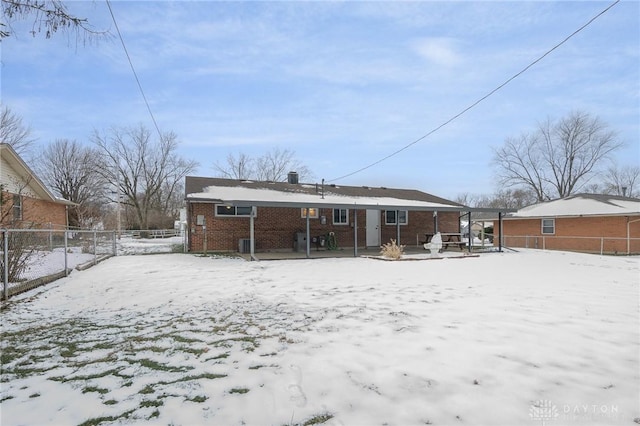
(581, 205)
(282, 194)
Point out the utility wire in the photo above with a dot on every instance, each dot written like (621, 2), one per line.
(134, 70)
(481, 99)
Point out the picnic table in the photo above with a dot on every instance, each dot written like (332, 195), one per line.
(449, 239)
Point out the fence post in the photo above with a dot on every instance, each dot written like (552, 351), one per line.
(95, 247)
(5, 260)
(115, 247)
(601, 245)
(66, 255)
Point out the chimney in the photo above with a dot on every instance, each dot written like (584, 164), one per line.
(292, 177)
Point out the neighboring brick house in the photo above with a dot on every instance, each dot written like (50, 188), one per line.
(25, 202)
(583, 222)
(220, 211)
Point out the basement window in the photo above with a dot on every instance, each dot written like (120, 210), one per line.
(390, 217)
(548, 226)
(313, 213)
(222, 210)
(340, 216)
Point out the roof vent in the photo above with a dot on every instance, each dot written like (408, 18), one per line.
(292, 177)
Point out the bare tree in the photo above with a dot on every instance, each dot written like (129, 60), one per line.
(70, 169)
(145, 172)
(622, 181)
(510, 198)
(272, 166)
(240, 167)
(14, 132)
(49, 17)
(559, 158)
(275, 165)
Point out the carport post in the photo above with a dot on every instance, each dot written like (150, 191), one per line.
(398, 227)
(470, 234)
(499, 232)
(435, 222)
(252, 239)
(355, 233)
(66, 254)
(308, 242)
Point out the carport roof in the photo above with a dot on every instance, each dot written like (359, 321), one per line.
(244, 193)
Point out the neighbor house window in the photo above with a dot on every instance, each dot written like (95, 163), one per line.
(17, 207)
(340, 216)
(548, 226)
(390, 217)
(313, 213)
(222, 210)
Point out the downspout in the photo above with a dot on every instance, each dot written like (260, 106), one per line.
(252, 237)
(629, 234)
(355, 233)
(308, 231)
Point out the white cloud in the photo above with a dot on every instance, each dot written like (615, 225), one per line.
(440, 51)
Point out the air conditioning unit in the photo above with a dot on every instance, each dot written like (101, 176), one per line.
(244, 245)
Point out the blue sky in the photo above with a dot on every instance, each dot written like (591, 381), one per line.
(343, 84)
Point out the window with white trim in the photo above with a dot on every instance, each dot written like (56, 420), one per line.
(313, 212)
(17, 207)
(548, 226)
(340, 216)
(222, 210)
(390, 217)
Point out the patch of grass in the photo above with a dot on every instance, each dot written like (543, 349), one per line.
(34, 395)
(196, 377)
(147, 390)
(101, 391)
(64, 379)
(155, 413)
(197, 398)
(6, 398)
(239, 390)
(69, 350)
(98, 420)
(182, 339)
(257, 367)
(194, 351)
(319, 419)
(221, 356)
(154, 365)
(147, 403)
(110, 402)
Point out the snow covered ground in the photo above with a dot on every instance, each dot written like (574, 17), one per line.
(526, 338)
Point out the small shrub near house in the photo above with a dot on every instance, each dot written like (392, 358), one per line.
(391, 250)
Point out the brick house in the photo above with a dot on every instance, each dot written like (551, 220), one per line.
(583, 222)
(227, 214)
(24, 199)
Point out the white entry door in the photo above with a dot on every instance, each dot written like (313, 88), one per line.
(373, 228)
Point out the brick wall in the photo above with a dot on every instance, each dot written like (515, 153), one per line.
(275, 228)
(586, 234)
(35, 212)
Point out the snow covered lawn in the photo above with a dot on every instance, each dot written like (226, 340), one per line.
(502, 339)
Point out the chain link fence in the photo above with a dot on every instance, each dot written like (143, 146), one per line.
(32, 257)
(601, 245)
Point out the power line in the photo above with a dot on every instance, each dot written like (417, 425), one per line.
(133, 69)
(481, 99)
